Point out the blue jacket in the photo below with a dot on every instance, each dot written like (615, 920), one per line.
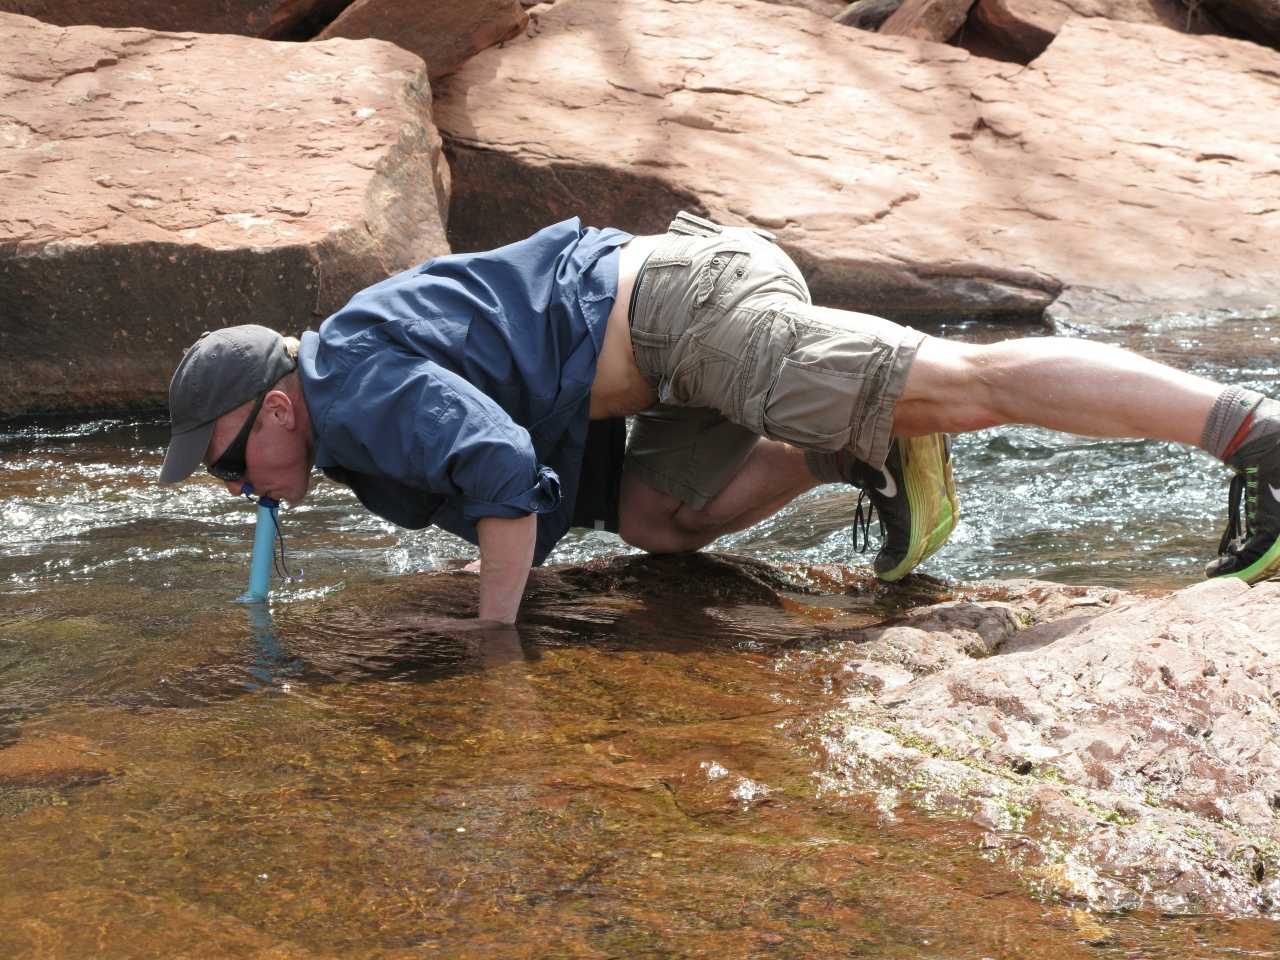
(460, 389)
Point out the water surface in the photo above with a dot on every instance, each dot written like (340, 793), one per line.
(622, 776)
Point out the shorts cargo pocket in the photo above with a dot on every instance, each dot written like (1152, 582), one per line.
(719, 276)
(819, 392)
(699, 381)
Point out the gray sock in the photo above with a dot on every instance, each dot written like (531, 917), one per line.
(824, 466)
(1234, 406)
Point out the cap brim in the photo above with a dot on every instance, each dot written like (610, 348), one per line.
(186, 453)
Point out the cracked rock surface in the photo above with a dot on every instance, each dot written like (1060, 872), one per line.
(1129, 170)
(1120, 750)
(155, 185)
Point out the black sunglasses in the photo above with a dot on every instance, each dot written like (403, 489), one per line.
(230, 467)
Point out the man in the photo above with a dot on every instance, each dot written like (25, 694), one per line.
(458, 393)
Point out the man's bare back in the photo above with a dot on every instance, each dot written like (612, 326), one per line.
(619, 390)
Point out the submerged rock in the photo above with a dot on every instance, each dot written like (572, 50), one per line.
(907, 178)
(1121, 750)
(157, 185)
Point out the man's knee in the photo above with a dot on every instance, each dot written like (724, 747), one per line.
(658, 522)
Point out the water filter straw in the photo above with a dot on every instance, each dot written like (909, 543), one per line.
(264, 543)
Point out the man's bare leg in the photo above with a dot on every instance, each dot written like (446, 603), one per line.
(1075, 386)
(773, 475)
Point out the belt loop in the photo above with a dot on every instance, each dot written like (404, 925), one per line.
(689, 224)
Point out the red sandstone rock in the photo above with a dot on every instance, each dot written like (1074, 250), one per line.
(1128, 171)
(1019, 30)
(443, 32)
(1130, 740)
(933, 20)
(268, 19)
(153, 186)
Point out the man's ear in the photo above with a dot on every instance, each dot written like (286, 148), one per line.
(277, 406)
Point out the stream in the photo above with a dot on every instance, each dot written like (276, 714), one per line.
(626, 774)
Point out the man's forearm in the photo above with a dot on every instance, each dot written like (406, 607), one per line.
(506, 553)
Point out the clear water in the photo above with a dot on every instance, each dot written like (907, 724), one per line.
(303, 789)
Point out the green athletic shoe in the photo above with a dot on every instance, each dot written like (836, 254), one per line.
(915, 498)
(1250, 547)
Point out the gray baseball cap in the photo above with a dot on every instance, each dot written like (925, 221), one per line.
(221, 371)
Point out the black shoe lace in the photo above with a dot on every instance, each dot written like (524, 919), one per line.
(1235, 522)
(862, 517)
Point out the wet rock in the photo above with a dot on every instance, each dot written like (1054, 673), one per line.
(906, 178)
(157, 185)
(934, 20)
(1020, 30)
(270, 20)
(1128, 741)
(445, 34)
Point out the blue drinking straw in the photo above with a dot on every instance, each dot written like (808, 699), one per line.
(264, 543)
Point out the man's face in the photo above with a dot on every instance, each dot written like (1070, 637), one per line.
(279, 454)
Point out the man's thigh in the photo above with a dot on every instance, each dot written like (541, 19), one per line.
(688, 453)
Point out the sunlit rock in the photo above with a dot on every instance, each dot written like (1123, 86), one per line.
(906, 178)
(1120, 750)
(443, 33)
(156, 185)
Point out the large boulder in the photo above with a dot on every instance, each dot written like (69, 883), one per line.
(1119, 750)
(268, 19)
(442, 32)
(1129, 170)
(1020, 30)
(157, 185)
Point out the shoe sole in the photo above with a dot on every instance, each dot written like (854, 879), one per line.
(1261, 569)
(929, 481)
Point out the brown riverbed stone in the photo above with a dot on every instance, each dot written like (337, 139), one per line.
(268, 19)
(156, 185)
(52, 760)
(1130, 170)
(443, 33)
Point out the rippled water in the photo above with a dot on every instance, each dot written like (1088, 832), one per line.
(287, 784)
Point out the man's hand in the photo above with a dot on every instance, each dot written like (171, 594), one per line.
(506, 554)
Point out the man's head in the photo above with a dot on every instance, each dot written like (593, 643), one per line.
(236, 409)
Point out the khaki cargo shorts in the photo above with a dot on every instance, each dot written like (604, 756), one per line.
(724, 330)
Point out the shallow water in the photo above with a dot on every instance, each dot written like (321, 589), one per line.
(622, 777)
